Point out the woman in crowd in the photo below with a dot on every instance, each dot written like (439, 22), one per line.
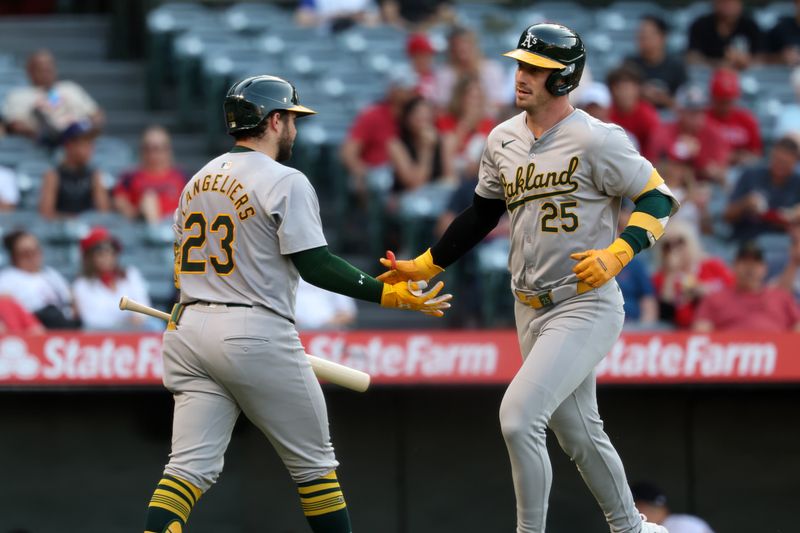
(152, 190)
(685, 274)
(40, 289)
(74, 186)
(464, 58)
(465, 125)
(419, 155)
(103, 282)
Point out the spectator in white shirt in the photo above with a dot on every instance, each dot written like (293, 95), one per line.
(39, 288)
(45, 108)
(9, 191)
(103, 282)
(652, 502)
(317, 308)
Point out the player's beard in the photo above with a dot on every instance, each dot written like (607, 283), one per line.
(285, 142)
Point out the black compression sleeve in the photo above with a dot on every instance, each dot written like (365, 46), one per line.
(320, 267)
(468, 229)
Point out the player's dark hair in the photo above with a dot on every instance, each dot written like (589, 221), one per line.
(660, 24)
(625, 72)
(10, 240)
(259, 131)
(788, 144)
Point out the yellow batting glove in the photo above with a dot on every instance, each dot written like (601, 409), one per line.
(420, 268)
(596, 267)
(410, 295)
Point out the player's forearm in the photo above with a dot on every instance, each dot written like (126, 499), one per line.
(320, 267)
(645, 226)
(467, 229)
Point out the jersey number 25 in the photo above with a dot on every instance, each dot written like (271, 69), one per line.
(197, 222)
(569, 220)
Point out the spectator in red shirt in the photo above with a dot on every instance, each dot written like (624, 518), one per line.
(685, 274)
(465, 125)
(630, 110)
(16, 320)
(693, 139)
(153, 190)
(421, 55)
(738, 125)
(365, 150)
(750, 304)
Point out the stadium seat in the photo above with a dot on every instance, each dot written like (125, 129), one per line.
(29, 180)
(164, 23)
(251, 18)
(767, 16)
(497, 303)
(681, 19)
(568, 13)
(776, 251)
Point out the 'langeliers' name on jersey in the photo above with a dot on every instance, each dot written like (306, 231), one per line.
(527, 180)
(226, 186)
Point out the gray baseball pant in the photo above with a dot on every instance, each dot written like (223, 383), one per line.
(224, 360)
(555, 388)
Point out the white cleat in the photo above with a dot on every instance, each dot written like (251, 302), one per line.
(649, 527)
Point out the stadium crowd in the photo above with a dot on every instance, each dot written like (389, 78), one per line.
(733, 251)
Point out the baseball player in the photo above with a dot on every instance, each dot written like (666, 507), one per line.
(246, 226)
(560, 174)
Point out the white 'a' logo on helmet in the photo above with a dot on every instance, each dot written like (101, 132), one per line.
(530, 40)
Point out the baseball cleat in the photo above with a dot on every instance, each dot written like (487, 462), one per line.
(649, 527)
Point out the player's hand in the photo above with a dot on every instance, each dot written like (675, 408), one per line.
(596, 267)
(412, 295)
(420, 268)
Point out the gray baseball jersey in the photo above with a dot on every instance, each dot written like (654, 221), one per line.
(239, 218)
(563, 191)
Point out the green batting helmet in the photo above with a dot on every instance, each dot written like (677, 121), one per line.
(555, 47)
(250, 100)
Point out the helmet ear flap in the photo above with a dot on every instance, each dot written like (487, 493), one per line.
(562, 82)
(555, 83)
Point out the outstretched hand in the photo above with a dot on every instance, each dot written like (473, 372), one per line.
(413, 296)
(419, 268)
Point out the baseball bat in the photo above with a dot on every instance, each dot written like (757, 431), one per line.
(341, 375)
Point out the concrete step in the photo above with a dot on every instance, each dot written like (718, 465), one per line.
(131, 122)
(67, 36)
(91, 73)
(113, 100)
(64, 48)
(54, 25)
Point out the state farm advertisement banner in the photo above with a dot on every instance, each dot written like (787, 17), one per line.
(413, 357)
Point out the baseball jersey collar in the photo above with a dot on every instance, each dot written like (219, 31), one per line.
(239, 149)
(549, 131)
